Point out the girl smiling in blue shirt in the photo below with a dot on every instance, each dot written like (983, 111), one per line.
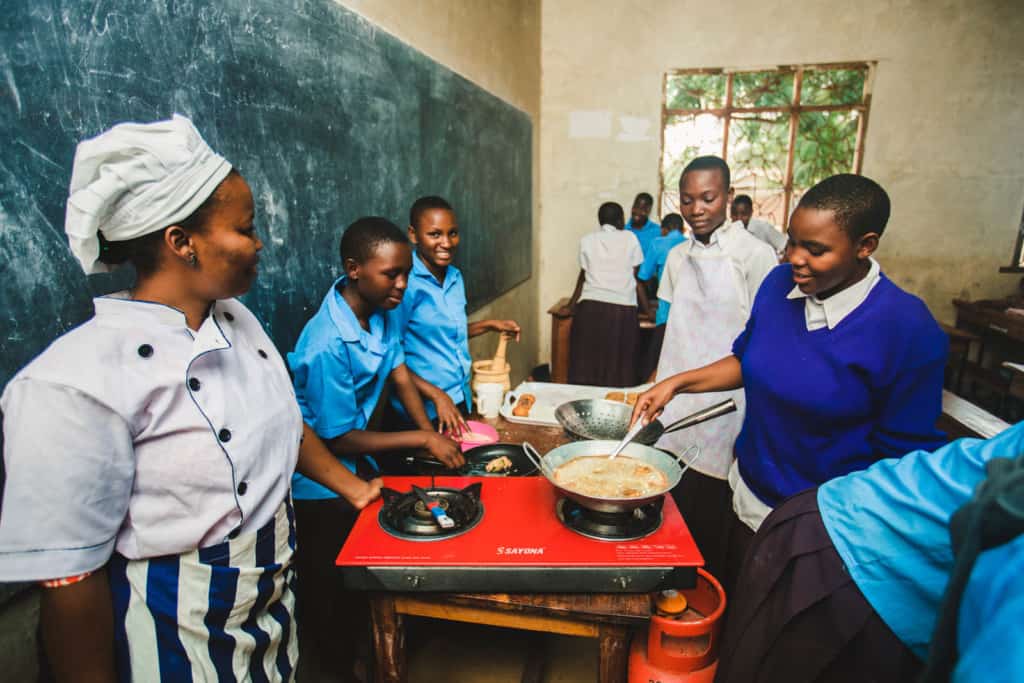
(431, 319)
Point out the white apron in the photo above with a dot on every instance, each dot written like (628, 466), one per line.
(709, 310)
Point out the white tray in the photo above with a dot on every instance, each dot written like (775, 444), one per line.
(550, 396)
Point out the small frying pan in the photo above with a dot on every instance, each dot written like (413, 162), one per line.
(477, 459)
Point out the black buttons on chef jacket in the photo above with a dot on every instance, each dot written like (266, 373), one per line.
(234, 533)
(145, 350)
(224, 435)
(194, 384)
(242, 488)
(229, 317)
(263, 354)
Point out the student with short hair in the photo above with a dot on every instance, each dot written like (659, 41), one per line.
(431, 320)
(605, 324)
(640, 223)
(742, 210)
(345, 355)
(650, 273)
(710, 282)
(840, 367)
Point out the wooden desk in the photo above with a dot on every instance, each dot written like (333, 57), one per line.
(1001, 340)
(608, 617)
(561, 331)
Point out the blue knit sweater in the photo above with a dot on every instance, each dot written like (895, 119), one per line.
(825, 403)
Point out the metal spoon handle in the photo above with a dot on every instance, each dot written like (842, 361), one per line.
(710, 413)
(630, 435)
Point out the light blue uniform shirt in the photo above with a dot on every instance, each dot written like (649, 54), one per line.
(654, 265)
(339, 372)
(890, 525)
(646, 234)
(431, 322)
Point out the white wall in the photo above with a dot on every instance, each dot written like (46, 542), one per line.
(944, 136)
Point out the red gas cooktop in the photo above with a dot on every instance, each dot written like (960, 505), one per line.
(519, 544)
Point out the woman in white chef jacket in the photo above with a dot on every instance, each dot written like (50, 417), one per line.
(156, 510)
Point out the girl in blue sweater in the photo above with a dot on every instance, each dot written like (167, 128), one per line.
(840, 367)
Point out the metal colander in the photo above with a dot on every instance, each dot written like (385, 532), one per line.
(597, 418)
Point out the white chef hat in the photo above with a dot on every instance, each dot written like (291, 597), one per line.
(135, 179)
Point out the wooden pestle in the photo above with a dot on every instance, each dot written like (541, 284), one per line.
(499, 356)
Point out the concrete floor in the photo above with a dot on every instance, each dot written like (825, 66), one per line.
(468, 653)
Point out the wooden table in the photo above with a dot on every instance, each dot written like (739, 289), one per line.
(608, 617)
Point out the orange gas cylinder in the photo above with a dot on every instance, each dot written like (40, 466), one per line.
(682, 640)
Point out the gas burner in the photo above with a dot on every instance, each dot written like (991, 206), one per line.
(404, 515)
(610, 526)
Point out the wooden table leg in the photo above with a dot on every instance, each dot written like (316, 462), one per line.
(388, 640)
(614, 657)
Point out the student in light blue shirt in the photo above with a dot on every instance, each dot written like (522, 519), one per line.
(671, 235)
(640, 223)
(344, 357)
(431, 320)
(850, 577)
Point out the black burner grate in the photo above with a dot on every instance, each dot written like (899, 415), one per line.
(611, 526)
(404, 515)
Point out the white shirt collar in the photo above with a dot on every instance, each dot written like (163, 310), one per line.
(609, 228)
(721, 233)
(832, 310)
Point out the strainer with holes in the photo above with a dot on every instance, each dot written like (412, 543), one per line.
(597, 418)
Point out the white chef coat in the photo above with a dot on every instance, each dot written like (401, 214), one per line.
(133, 432)
(608, 257)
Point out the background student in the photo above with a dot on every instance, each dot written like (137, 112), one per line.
(431, 320)
(341, 362)
(650, 274)
(605, 323)
(845, 582)
(742, 210)
(839, 366)
(640, 223)
(149, 451)
(710, 282)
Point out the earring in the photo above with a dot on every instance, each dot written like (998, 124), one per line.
(192, 261)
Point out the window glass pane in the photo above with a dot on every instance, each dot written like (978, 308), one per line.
(832, 86)
(762, 89)
(824, 146)
(695, 91)
(686, 136)
(757, 160)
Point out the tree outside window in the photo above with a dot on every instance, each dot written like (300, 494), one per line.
(781, 130)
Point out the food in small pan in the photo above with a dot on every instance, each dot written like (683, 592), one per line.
(622, 397)
(523, 405)
(603, 477)
(499, 464)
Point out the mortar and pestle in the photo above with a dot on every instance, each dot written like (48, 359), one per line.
(495, 370)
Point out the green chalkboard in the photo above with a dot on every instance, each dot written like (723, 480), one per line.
(326, 116)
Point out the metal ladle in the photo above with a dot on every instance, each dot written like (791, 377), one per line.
(654, 429)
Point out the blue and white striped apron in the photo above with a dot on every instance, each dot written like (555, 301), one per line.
(221, 613)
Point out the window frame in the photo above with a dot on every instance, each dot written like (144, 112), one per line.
(793, 109)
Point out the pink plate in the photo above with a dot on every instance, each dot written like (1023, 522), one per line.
(483, 433)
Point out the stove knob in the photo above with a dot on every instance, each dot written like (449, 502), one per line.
(623, 581)
(414, 581)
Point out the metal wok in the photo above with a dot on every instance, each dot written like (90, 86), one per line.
(671, 467)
